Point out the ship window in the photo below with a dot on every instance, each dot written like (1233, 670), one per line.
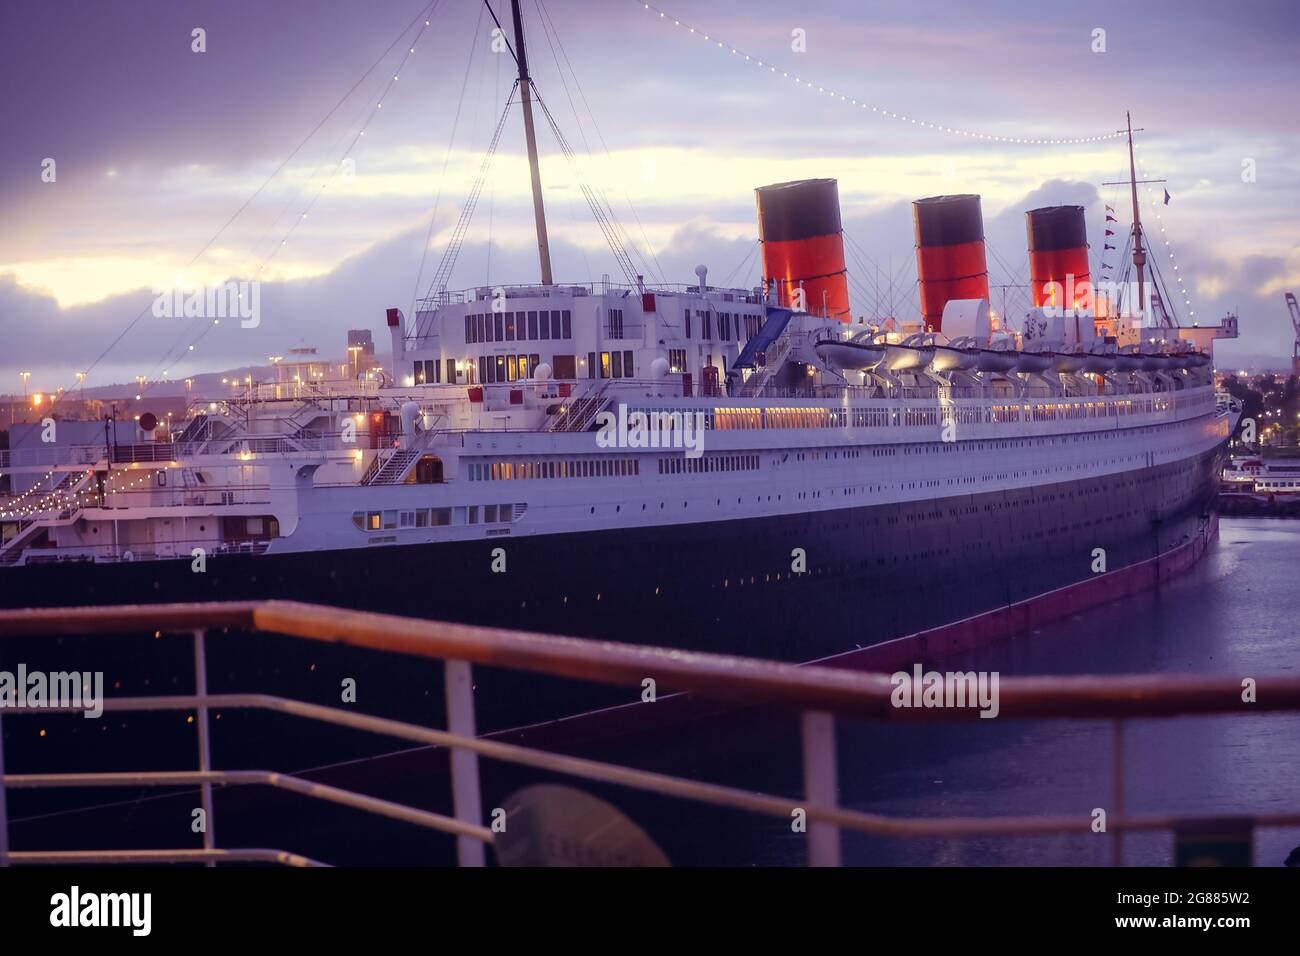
(498, 327)
(451, 371)
(358, 519)
(544, 324)
(422, 518)
(419, 373)
(706, 324)
(372, 520)
(563, 366)
(469, 324)
(532, 325)
(616, 364)
(390, 520)
(534, 360)
(501, 368)
(406, 519)
(442, 516)
(510, 326)
(677, 360)
(473, 514)
(512, 368)
(591, 365)
(567, 328)
(627, 363)
(604, 365)
(489, 514)
(686, 315)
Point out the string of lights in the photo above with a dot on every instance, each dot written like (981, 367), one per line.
(189, 340)
(773, 70)
(334, 172)
(1165, 248)
(57, 500)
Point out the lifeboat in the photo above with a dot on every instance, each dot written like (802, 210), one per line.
(861, 355)
(994, 360)
(1033, 362)
(913, 353)
(1099, 362)
(1128, 361)
(1154, 363)
(1068, 362)
(959, 353)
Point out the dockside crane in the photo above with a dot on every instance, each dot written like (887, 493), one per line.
(1295, 321)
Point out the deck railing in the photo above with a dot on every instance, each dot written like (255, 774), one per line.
(817, 693)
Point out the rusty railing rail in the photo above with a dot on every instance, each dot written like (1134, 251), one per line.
(818, 693)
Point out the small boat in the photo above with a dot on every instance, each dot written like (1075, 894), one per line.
(1068, 362)
(1128, 361)
(854, 355)
(913, 353)
(1033, 362)
(1099, 361)
(994, 360)
(950, 357)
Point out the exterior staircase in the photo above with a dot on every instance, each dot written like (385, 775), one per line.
(393, 471)
(578, 413)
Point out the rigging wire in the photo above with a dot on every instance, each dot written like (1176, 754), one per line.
(425, 11)
(310, 205)
(1178, 276)
(726, 283)
(198, 328)
(593, 202)
(457, 239)
(549, 30)
(446, 159)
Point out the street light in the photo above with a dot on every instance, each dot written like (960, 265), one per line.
(25, 377)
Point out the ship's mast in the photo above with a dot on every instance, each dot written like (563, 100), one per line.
(1139, 250)
(1139, 253)
(525, 89)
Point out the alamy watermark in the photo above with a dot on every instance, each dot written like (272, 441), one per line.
(974, 689)
(657, 429)
(227, 300)
(35, 690)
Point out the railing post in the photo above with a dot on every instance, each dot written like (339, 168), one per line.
(820, 785)
(467, 803)
(205, 744)
(4, 812)
(1117, 791)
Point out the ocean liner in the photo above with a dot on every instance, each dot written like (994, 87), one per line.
(751, 470)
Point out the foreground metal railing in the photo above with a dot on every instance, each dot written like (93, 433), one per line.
(817, 693)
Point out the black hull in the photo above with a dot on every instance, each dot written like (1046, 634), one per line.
(873, 573)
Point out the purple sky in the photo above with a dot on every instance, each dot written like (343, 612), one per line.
(157, 146)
